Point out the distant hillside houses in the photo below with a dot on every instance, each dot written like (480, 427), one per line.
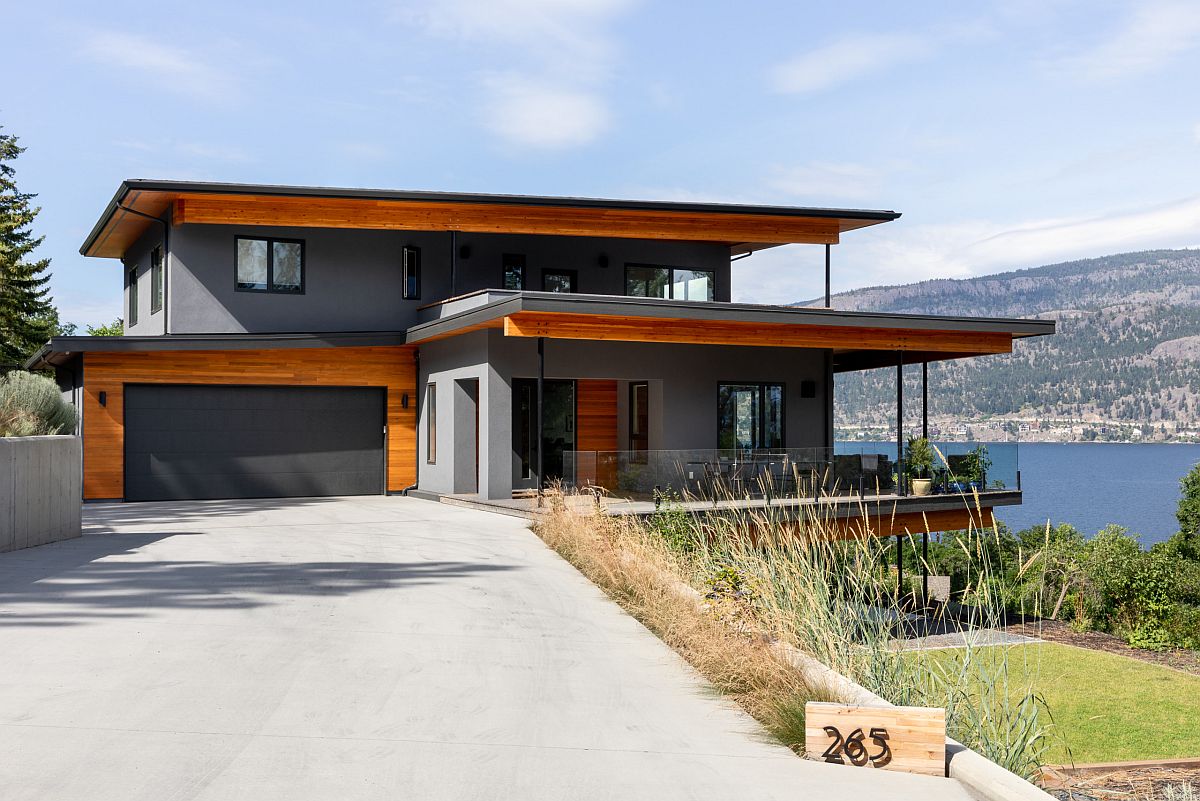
(1125, 365)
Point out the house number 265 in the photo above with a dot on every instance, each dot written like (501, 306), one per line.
(853, 748)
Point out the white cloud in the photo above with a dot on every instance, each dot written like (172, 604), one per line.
(1154, 34)
(565, 33)
(539, 115)
(557, 59)
(171, 67)
(818, 181)
(845, 60)
(895, 254)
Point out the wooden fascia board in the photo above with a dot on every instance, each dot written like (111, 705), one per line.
(557, 325)
(502, 219)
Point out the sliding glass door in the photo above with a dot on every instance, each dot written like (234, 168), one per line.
(558, 430)
(750, 416)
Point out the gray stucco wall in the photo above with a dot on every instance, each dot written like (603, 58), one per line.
(352, 277)
(683, 393)
(41, 487)
(138, 258)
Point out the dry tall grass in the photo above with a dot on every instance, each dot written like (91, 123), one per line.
(830, 595)
(635, 568)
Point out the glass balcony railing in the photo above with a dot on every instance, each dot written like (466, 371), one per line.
(850, 469)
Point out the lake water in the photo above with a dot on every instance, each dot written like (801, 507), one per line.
(1090, 485)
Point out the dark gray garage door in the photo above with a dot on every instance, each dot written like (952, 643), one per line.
(191, 442)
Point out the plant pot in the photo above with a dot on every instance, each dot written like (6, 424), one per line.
(922, 486)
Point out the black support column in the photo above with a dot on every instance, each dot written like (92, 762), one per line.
(900, 423)
(541, 420)
(828, 295)
(925, 400)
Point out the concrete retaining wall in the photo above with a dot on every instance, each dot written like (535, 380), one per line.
(41, 486)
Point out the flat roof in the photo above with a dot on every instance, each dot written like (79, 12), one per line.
(755, 325)
(136, 199)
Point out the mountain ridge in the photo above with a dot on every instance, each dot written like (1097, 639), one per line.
(1124, 365)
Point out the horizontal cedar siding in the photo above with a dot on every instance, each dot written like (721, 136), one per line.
(103, 426)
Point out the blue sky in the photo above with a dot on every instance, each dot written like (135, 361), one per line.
(1009, 134)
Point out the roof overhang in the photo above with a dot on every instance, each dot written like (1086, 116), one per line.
(858, 340)
(744, 228)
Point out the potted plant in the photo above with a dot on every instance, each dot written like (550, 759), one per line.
(919, 460)
(978, 463)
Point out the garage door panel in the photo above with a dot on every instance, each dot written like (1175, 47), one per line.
(184, 442)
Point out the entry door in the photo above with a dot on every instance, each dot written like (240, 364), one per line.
(208, 442)
(558, 431)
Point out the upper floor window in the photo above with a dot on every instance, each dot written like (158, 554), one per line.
(514, 271)
(133, 296)
(270, 265)
(652, 281)
(410, 264)
(156, 279)
(558, 280)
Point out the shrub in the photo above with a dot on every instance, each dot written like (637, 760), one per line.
(1182, 626)
(32, 405)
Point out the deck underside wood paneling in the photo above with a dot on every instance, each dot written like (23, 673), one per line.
(393, 368)
(557, 325)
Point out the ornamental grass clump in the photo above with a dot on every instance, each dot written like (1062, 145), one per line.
(32, 405)
(828, 589)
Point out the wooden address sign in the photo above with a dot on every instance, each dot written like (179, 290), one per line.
(905, 738)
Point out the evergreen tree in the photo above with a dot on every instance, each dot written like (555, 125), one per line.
(27, 316)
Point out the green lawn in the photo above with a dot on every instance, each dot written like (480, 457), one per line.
(1110, 708)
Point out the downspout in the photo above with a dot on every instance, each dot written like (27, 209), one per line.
(166, 288)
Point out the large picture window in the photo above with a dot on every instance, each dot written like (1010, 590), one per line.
(750, 416)
(270, 265)
(653, 281)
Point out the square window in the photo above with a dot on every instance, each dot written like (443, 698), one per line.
(270, 265)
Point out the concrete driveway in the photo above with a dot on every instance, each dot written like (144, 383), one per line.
(364, 648)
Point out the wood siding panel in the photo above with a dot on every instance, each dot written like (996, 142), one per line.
(556, 325)
(488, 218)
(103, 426)
(596, 429)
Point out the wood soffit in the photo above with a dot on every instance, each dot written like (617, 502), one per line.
(740, 231)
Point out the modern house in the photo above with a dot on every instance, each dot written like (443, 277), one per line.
(295, 341)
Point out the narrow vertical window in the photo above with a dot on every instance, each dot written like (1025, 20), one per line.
(156, 279)
(431, 424)
(514, 271)
(133, 297)
(639, 420)
(410, 266)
